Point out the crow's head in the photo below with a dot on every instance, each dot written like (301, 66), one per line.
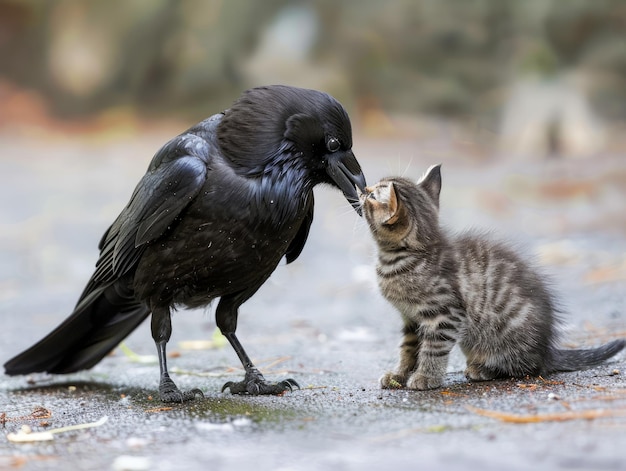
(304, 129)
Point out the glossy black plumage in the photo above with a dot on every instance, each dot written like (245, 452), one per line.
(219, 207)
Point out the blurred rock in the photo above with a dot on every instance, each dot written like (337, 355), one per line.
(549, 117)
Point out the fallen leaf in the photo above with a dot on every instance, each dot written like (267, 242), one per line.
(447, 392)
(605, 274)
(135, 357)
(555, 417)
(158, 409)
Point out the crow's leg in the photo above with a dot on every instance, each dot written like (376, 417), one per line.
(161, 332)
(253, 383)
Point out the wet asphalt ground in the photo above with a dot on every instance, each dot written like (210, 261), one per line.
(319, 320)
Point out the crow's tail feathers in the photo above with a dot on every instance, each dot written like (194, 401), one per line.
(103, 317)
(574, 360)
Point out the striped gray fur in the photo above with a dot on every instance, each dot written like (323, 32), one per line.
(468, 289)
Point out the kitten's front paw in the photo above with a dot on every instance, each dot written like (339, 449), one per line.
(422, 382)
(392, 380)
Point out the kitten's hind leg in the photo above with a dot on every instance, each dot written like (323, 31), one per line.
(408, 360)
(480, 372)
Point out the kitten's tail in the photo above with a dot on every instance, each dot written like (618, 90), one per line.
(574, 360)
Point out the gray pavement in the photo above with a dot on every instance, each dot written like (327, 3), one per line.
(319, 321)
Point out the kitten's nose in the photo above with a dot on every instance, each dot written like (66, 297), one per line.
(369, 192)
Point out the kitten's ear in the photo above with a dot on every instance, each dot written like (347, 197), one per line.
(431, 182)
(393, 206)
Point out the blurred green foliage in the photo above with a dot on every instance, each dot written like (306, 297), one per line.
(450, 58)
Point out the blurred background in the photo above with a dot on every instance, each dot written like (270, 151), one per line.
(536, 78)
(524, 102)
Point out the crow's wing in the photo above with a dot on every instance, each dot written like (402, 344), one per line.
(175, 176)
(297, 244)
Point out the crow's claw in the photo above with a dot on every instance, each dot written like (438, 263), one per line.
(292, 383)
(255, 384)
(169, 392)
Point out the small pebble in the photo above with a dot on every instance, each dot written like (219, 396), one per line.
(136, 442)
(131, 463)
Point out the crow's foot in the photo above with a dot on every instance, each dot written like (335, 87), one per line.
(169, 392)
(255, 384)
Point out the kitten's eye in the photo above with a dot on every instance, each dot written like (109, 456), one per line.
(371, 196)
(333, 144)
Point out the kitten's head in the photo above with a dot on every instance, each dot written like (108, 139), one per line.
(404, 214)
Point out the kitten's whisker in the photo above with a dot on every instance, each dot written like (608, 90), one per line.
(346, 212)
(408, 166)
(359, 223)
(389, 170)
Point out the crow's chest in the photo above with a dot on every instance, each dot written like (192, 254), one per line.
(208, 254)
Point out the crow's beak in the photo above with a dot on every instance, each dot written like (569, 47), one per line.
(346, 172)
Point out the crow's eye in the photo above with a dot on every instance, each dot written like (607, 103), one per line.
(333, 144)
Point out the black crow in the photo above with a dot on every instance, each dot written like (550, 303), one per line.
(219, 207)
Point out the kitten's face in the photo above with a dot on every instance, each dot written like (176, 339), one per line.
(402, 213)
(384, 212)
(380, 202)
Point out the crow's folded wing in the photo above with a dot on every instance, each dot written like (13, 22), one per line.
(175, 176)
(297, 244)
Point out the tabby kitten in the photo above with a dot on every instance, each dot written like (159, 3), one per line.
(467, 289)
